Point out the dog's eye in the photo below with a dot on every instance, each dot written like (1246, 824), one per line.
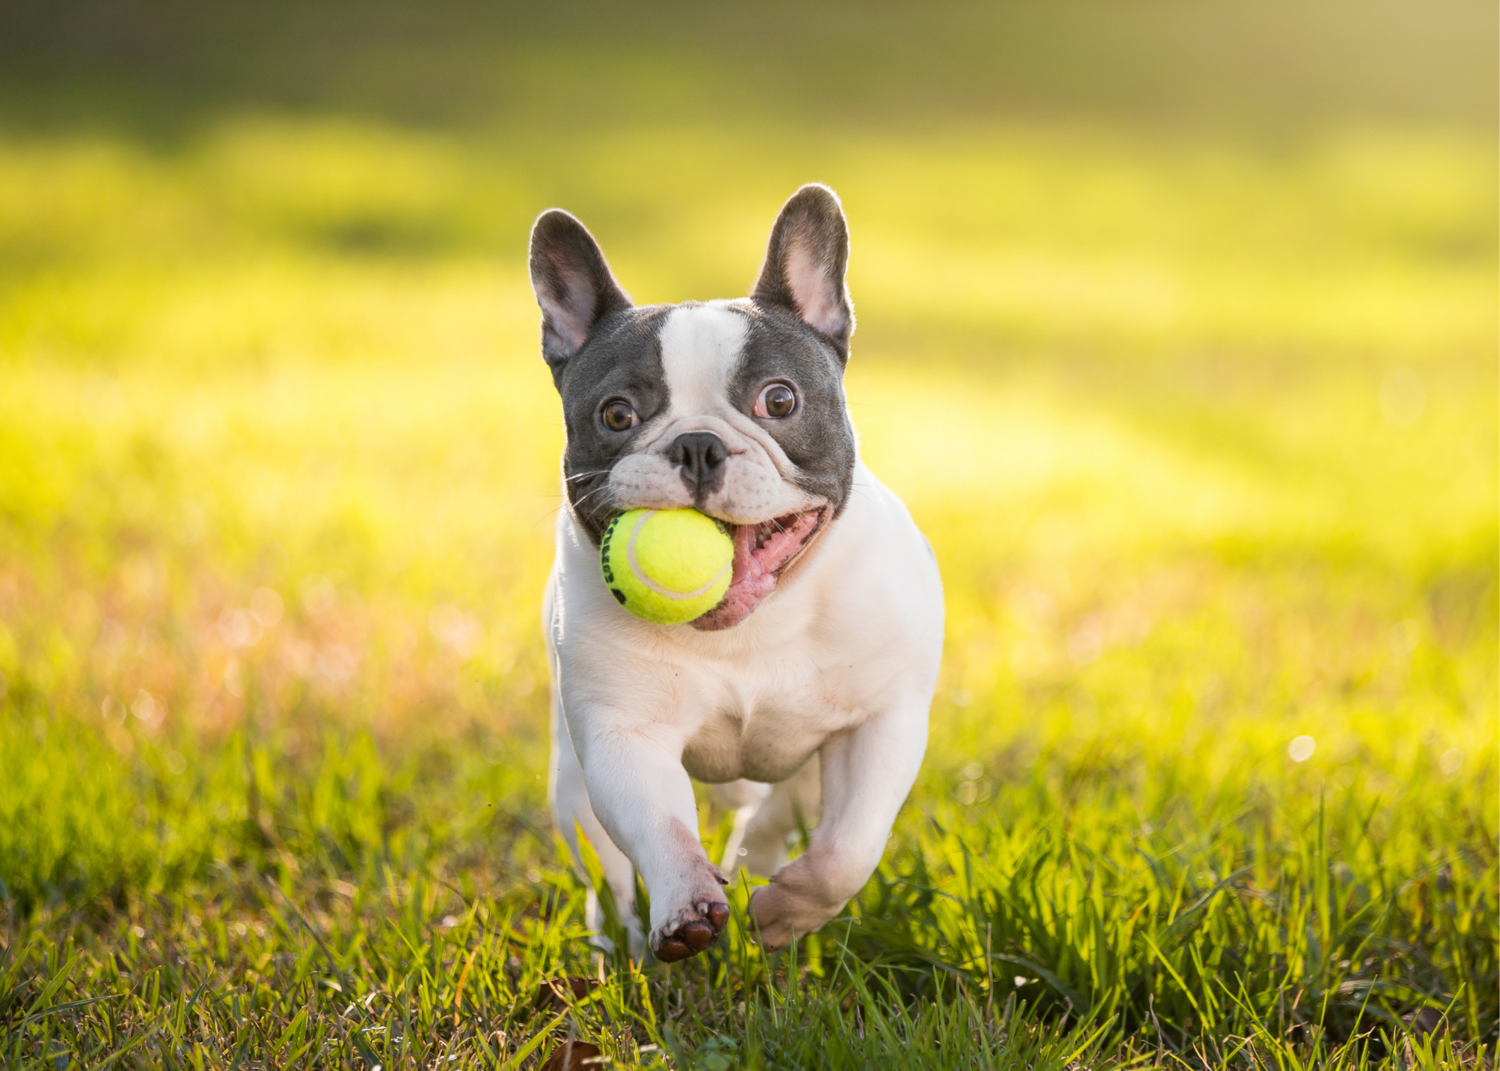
(776, 402)
(618, 415)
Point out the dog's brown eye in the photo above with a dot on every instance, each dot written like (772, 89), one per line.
(618, 415)
(776, 401)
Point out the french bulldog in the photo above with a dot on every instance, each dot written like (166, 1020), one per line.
(805, 692)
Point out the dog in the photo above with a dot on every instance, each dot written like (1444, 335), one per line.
(805, 692)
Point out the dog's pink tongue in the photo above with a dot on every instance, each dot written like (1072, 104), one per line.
(751, 585)
(755, 569)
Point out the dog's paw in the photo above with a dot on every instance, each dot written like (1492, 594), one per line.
(774, 913)
(690, 931)
(795, 904)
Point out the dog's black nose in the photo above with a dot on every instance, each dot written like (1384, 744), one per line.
(701, 456)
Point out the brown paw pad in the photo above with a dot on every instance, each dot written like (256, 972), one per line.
(695, 935)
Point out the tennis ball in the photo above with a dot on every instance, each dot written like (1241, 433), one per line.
(667, 566)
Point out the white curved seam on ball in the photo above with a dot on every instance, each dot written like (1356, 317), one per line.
(635, 566)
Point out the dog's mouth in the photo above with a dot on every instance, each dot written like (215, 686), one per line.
(762, 553)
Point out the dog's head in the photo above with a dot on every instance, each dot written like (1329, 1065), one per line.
(735, 408)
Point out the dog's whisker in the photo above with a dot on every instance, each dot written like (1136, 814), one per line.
(585, 497)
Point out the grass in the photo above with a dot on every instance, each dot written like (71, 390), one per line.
(1202, 428)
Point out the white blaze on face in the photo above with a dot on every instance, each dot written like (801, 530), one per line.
(699, 349)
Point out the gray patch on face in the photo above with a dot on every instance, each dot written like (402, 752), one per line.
(621, 359)
(817, 437)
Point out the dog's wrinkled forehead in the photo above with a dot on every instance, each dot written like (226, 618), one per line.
(699, 359)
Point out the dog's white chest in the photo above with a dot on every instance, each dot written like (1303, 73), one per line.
(763, 726)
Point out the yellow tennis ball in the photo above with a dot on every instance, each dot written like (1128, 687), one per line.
(667, 566)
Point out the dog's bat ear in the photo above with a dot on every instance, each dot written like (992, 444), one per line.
(806, 259)
(573, 285)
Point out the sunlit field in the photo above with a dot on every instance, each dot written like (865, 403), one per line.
(1202, 428)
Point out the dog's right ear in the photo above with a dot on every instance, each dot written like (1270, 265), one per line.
(573, 285)
(806, 259)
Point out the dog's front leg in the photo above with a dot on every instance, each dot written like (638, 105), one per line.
(866, 773)
(644, 800)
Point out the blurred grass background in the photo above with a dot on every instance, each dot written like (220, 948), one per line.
(1177, 332)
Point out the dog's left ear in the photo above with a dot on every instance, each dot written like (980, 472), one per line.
(806, 259)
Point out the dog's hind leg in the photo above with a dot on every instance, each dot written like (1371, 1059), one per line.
(572, 811)
(765, 823)
(745, 798)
